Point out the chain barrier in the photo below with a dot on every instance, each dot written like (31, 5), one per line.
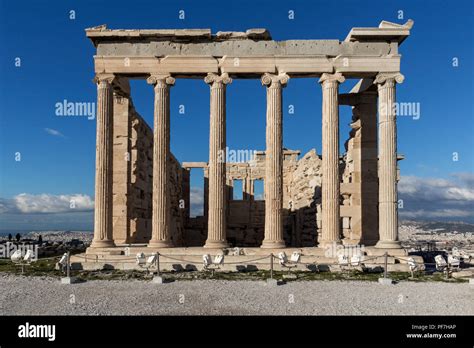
(96, 259)
(362, 261)
(349, 263)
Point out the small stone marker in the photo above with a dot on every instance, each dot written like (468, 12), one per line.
(271, 282)
(385, 281)
(289, 276)
(68, 280)
(158, 280)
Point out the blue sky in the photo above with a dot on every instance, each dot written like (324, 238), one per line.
(57, 153)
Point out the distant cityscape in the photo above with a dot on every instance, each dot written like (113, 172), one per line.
(434, 227)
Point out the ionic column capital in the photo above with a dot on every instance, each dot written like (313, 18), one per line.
(104, 78)
(161, 81)
(388, 79)
(327, 80)
(272, 80)
(213, 79)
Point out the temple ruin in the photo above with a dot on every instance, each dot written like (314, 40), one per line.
(311, 201)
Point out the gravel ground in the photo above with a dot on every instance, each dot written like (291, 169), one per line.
(46, 296)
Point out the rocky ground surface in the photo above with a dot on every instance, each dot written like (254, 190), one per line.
(47, 296)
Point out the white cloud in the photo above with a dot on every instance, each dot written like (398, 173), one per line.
(435, 189)
(440, 213)
(7, 206)
(466, 178)
(426, 198)
(54, 132)
(196, 201)
(422, 198)
(46, 203)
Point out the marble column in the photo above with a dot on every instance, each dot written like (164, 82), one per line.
(274, 162)
(216, 235)
(103, 233)
(388, 212)
(330, 160)
(161, 236)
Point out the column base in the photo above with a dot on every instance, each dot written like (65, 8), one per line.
(368, 242)
(121, 241)
(273, 244)
(388, 244)
(160, 244)
(215, 244)
(102, 244)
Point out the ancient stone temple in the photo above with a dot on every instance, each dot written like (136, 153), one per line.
(142, 192)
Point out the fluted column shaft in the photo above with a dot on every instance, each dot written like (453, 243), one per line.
(330, 160)
(161, 236)
(103, 234)
(216, 235)
(274, 162)
(388, 212)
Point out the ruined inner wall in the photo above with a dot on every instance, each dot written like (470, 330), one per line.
(121, 168)
(133, 176)
(302, 178)
(141, 176)
(305, 199)
(359, 187)
(246, 217)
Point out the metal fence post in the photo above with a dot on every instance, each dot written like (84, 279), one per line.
(68, 266)
(271, 266)
(158, 264)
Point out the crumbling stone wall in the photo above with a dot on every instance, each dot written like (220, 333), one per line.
(302, 180)
(359, 187)
(305, 199)
(178, 179)
(246, 216)
(121, 168)
(141, 176)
